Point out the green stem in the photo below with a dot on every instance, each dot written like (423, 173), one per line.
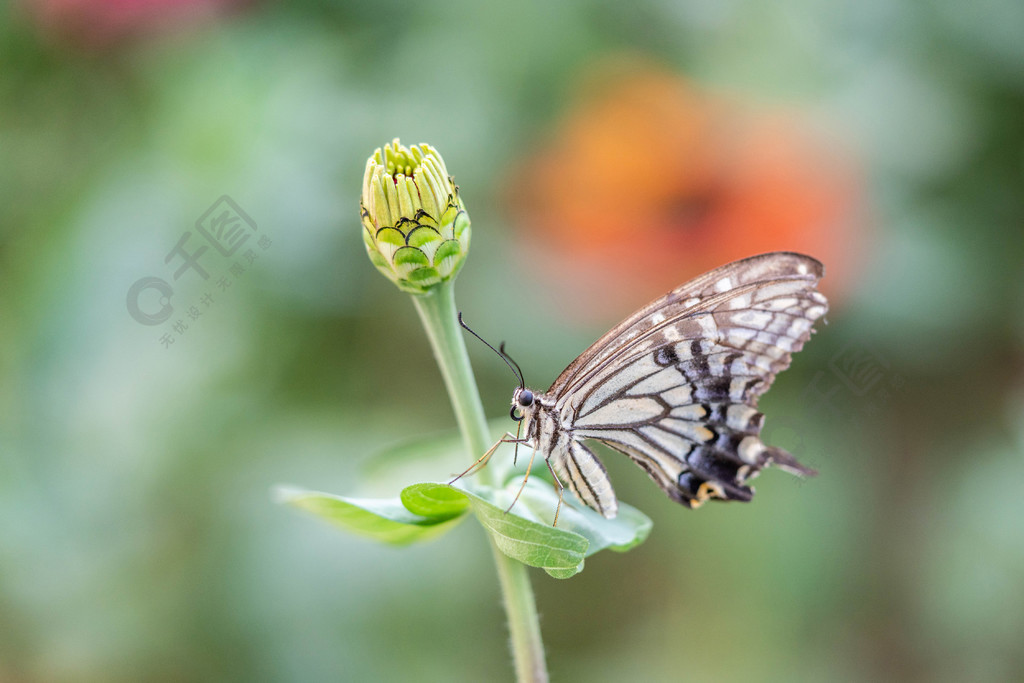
(438, 314)
(440, 318)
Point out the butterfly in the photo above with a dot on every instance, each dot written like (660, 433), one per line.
(675, 386)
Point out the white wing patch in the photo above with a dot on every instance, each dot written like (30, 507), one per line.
(658, 383)
(690, 411)
(667, 441)
(623, 412)
(752, 318)
(688, 430)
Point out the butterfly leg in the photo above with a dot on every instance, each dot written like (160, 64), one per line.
(483, 459)
(533, 454)
(558, 488)
(515, 453)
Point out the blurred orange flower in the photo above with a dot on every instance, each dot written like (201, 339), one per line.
(651, 181)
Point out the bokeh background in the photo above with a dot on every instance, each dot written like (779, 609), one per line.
(606, 152)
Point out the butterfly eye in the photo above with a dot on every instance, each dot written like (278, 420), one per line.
(526, 398)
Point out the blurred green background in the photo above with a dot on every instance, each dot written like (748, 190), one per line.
(138, 539)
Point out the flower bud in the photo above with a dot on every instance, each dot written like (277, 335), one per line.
(415, 226)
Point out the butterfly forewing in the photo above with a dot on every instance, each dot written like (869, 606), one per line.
(751, 330)
(763, 268)
(675, 386)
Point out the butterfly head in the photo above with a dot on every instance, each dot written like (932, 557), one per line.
(523, 402)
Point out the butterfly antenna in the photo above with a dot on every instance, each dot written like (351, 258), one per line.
(511, 361)
(514, 368)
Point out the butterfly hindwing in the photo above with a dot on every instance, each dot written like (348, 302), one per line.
(586, 477)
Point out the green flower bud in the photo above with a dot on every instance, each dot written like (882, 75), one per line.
(415, 226)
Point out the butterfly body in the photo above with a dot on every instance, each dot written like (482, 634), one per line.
(675, 386)
(549, 429)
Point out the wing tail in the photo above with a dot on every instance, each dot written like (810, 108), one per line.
(785, 461)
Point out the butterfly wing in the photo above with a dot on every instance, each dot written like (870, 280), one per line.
(675, 386)
(688, 296)
(586, 477)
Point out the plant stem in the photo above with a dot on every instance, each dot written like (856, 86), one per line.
(439, 317)
(438, 314)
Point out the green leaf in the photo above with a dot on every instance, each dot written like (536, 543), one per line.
(385, 520)
(426, 510)
(430, 458)
(438, 501)
(628, 529)
(558, 552)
